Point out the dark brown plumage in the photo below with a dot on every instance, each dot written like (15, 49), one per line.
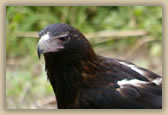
(82, 79)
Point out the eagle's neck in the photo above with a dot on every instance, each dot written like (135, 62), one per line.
(65, 74)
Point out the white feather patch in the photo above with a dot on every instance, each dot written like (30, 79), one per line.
(134, 82)
(133, 67)
(157, 81)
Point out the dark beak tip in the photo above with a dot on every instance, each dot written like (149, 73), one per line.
(38, 55)
(39, 52)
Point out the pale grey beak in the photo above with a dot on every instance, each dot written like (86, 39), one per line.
(48, 44)
(43, 44)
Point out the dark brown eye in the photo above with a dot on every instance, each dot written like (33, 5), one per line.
(64, 39)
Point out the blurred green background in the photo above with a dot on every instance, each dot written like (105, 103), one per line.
(132, 33)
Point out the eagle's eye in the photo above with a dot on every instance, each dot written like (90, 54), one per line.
(64, 39)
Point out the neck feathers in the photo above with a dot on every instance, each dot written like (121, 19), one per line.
(67, 74)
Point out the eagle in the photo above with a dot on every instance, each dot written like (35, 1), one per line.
(82, 79)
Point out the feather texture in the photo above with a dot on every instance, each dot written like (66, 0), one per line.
(82, 79)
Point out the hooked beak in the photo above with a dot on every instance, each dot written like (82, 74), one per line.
(43, 44)
(48, 44)
(39, 51)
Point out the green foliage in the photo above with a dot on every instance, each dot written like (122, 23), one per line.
(86, 19)
(22, 87)
(156, 49)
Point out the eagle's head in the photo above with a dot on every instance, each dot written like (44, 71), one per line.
(56, 38)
